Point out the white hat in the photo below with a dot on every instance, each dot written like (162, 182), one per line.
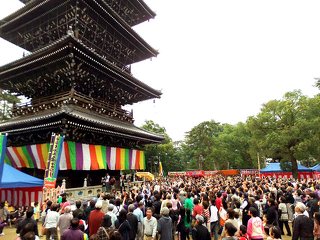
(98, 204)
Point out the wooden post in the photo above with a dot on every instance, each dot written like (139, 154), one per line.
(258, 157)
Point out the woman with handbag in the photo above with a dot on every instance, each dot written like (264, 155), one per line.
(284, 216)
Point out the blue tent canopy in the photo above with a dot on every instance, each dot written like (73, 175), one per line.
(13, 178)
(275, 167)
(316, 168)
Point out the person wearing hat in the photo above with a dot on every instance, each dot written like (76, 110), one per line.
(95, 219)
(164, 227)
(200, 232)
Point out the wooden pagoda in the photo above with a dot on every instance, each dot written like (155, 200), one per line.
(78, 79)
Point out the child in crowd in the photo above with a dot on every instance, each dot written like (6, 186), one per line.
(242, 235)
(275, 233)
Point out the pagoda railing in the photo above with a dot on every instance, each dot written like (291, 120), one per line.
(74, 98)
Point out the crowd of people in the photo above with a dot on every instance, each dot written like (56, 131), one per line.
(181, 207)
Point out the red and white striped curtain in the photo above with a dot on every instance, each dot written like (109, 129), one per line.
(21, 196)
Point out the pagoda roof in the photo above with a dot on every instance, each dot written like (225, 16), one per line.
(79, 117)
(15, 76)
(16, 26)
(133, 8)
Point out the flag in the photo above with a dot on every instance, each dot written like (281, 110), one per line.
(3, 146)
(160, 169)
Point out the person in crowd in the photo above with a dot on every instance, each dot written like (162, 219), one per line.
(51, 223)
(164, 227)
(302, 225)
(230, 219)
(133, 221)
(27, 220)
(139, 214)
(182, 225)
(87, 209)
(85, 235)
(230, 232)
(206, 214)
(214, 219)
(3, 218)
(316, 228)
(149, 225)
(95, 219)
(197, 208)
(164, 202)
(65, 220)
(284, 216)
(122, 225)
(312, 204)
(245, 210)
(64, 202)
(242, 234)
(272, 213)
(255, 226)
(112, 215)
(36, 213)
(200, 232)
(188, 202)
(105, 202)
(275, 233)
(27, 232)
(103, 232)
(78, 210)
(73, 233)
(174, 215)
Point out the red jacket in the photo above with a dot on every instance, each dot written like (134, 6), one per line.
(95, 220)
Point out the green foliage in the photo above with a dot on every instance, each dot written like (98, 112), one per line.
(164, 152)
(231, 149)
(7, 100)
(199, 145)
(287, 129)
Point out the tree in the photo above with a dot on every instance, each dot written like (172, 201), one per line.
(199, 144)
(163, 152)
(7, 102)
(287, 129)
(231, 149)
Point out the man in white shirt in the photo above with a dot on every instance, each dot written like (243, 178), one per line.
(51, 222)
(214, 219)
(150, 226)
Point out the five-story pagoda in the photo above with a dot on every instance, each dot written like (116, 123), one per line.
(77, 77)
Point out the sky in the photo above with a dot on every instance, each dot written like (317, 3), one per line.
(219, 60)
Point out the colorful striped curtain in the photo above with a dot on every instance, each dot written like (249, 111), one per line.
(77, 156)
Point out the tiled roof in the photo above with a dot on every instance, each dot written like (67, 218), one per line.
(94, 121)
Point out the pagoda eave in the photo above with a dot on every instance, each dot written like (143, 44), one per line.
(132, 11)
(112, 36)
(73, 64)
(68, 118)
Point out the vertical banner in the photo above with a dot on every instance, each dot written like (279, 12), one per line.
(53, 162)
(3, 147)
(160, 169)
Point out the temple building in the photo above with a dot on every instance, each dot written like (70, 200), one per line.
(77, 78)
